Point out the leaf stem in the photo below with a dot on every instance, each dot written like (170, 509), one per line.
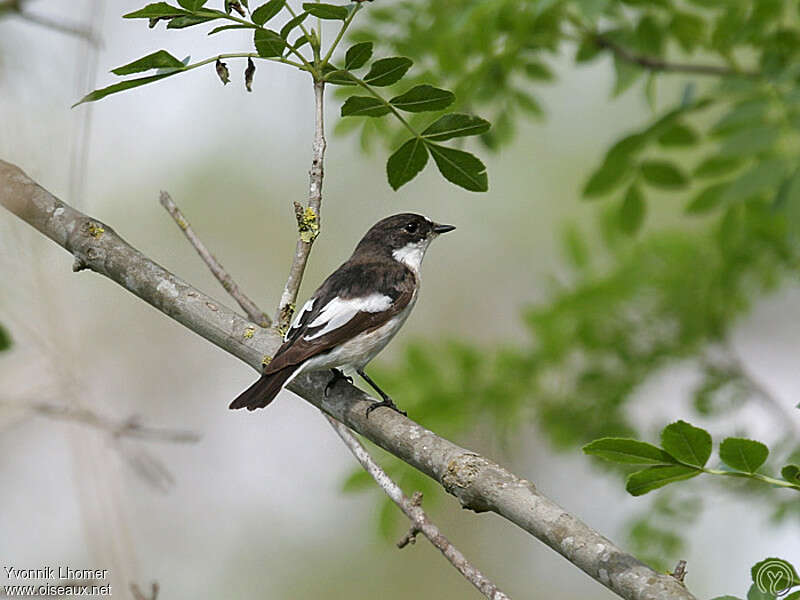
(341, 33)
(756, 476)
(240, 55)
(241, 21)
(385, 102)
(305, 31)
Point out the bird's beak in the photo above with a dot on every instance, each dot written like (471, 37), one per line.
(439, 229)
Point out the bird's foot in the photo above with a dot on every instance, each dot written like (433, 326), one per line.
(388, 403)
(337, 375)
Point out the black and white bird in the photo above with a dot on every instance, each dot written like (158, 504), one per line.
(355, 312)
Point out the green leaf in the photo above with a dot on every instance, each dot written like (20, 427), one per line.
(538, 71)
(689, 30)
(228, 27)
(122, 86)
(406, 162)
(268, 43)
(364, 106)
(715, 165)
(774, 575)
(188, 21)
(626, 73)
(627, 146)
(632, 211)
(423, 98)
(5, 339)
(357, 55)
(326, 11)
(791, 473)
(751, 141)
(338, 77)
(652, 478)
(726, 598)
(754, 593)
(744, 114)
(292, 23)
(358, 480)
(663, 174)
(387, 71)
(461, 168)
(609, 176)
(192, 5)
(707, 200)
(266, 11)
(764, 177)
(623, 450)
(157, 60)
(156, 10)
(678, 135)
(455, 125)
(690, 445)
(743, 455)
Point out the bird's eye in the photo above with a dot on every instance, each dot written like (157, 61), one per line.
(411, 228)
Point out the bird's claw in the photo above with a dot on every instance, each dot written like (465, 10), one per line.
(337, 375)
(387, 402)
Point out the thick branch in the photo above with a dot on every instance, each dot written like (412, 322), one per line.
(252, 311)
(654, 63)
(478, 483)
(308, 219)
(420, 521)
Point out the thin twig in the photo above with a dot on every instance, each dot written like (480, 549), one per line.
(254, 313)
(654, 63)
(130, 427)
(308, 219)
(14, 8)
(419, 520)
(139, 595)
(680, 571)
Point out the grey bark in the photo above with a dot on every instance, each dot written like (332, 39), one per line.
(478, 483)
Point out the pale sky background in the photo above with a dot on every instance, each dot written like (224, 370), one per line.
(256, 509)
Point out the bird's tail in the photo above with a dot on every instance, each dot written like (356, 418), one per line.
(263, 391)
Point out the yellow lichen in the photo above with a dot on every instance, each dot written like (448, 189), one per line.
(308, 225)
(249, 332)
(266, 360)
(96, 230)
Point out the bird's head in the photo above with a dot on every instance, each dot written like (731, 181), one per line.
(405, 237)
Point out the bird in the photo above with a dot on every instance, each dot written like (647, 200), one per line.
(356, 311)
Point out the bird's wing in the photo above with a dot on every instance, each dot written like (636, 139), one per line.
(338, 312)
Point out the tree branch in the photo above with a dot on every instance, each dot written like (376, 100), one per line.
(420, 521)
(130, 427)
(654, 63)
(14, 8)
(308, 219)
(250, 308)
(475, 481)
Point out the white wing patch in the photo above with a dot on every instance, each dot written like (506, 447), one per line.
(299, 316)
(338, 312)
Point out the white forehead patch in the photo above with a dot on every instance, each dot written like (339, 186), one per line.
(412, 254)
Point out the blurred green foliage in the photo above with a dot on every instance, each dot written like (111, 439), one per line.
(494, 54)
(628, 307)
